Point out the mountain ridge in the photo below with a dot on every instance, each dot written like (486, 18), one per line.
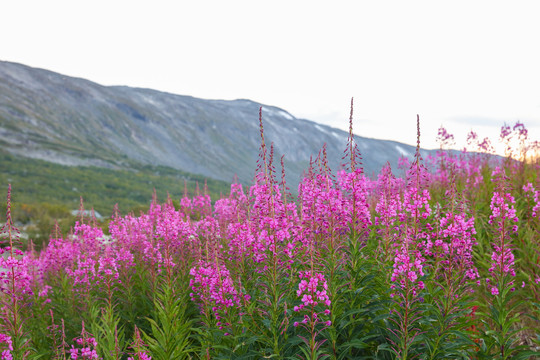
(74, 121)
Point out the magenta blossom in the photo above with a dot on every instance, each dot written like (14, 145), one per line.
(503, 215)
(313, 293)
(214, 288)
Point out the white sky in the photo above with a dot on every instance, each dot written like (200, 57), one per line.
(463, 64)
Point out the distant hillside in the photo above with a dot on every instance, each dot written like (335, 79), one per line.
(38, 181)
(65, 120)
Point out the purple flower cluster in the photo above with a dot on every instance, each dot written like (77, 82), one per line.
(140, 356)
(356, 188)
(139, 347)
(389, 206)
(6, 343)
(323, 208)
(504, 217)
(502, 209)
(503, 260)
(529, 191)
(312, 290)
(416, 202)
(214, 288)
(85, 347)
(273, 225)
(453, 244)
(17, 272)
(444, 138)
(408, 268)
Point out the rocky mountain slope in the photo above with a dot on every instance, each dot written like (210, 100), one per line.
(73, 121)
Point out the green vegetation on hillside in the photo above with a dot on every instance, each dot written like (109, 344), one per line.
(45, 192)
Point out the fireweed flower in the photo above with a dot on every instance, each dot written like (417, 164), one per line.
(416, 202)
(409, 260)
(323, 208)
(389, 200)
(454, 244)
(243, 244)
(232, 209)
(77, 255)
(408, 269)
(473, 172)
(312, 291)
(355, 185)
(85, 346)
(139, 348)
(530, 192)
(6, 346)
(160, 237)
(214, 290)
(101, 272)
(415, 231)
(209, 231)
(66, 254)
(502, 209)
(528, 188)
(388, 210)
(273, 224)
(171, 228)
(61, 253)
(503, 216)
(186, 206)
(404, 163)
(140, 356)
(20, 272)
(272, 219)
(201, 205)
(16, 273)
(90, 238)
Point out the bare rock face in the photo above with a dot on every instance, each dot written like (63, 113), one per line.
(73, 121)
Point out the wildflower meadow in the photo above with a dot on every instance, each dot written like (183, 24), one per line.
(437, 259)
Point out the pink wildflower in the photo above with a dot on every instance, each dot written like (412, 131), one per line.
(503, 214)
(213, 287)
(312, 290)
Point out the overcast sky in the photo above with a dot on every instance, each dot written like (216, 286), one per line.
(462, 64)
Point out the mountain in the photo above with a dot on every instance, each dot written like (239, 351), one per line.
(66, 120)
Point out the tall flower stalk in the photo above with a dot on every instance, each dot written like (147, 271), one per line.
(15, 286)
(502, 343)
(408, 273)
(273, 225)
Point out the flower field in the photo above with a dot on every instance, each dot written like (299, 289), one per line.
(438, 259)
